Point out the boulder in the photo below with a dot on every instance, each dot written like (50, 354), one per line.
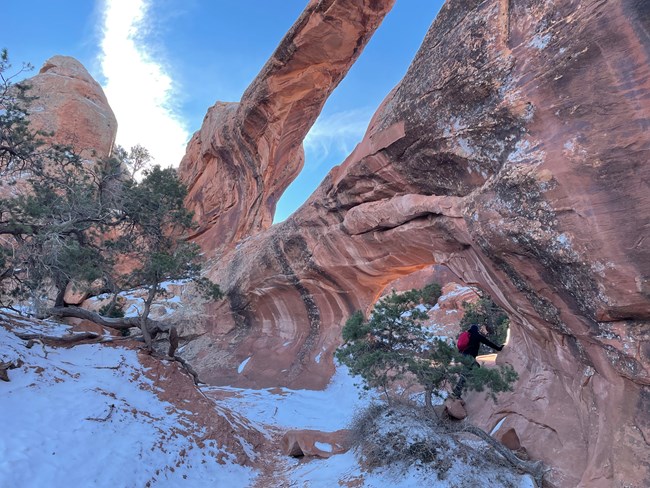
(314, 443)
(72, 105)
(455, 408)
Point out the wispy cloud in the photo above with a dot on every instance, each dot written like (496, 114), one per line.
(138, 87)
(334, 136)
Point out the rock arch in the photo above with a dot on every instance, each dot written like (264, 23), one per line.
(515, 152)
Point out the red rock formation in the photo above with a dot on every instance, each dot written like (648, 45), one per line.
(444, 319)
(515, 152)
(431, 274)
(314, 443)
(247, 153)
(72, 104)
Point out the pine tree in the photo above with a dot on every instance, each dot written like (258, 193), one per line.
(393, 343)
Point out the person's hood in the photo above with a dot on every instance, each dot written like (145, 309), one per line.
(473, 329)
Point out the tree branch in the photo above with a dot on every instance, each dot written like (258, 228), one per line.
(534, 468)
(154, 326)
(53, 340)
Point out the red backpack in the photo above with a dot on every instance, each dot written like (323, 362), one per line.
(463, 341)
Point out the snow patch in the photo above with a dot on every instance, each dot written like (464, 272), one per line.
(327, 410)
(498, 425)
(319, 355)
(88, 416)
(243, 364)
(539, 41)
(323, 446)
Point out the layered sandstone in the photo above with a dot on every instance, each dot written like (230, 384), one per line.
(245, 154)
(515, 152)
(72, 105)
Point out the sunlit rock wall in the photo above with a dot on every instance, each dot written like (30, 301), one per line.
(515, 152)
(72, 105)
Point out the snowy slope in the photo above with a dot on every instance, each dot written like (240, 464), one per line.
(94, 416)
(57, 430)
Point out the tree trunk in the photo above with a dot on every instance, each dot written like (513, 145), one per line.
(173, 341)
(60, 295)
(113, 323)
(428, 392)
(534, 468)
(63, 340)
(145, 316)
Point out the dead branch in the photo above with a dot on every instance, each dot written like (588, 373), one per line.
(103, 419)
(81, 313)
(31, 342)
(173, 341)
(534, 468)
(58, 341)
(116, 367)
(189, 369)
(154, 327)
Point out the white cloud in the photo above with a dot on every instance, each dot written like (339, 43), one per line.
(335, 135)
(139, 90)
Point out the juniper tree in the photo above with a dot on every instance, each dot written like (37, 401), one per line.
(55, 219)
(393, 343)
(152, 236)
(18, 142)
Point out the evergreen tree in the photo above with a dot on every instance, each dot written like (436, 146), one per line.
(152, 236)
(393, 343)
(54, 220)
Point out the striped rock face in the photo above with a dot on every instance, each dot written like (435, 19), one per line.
(514, 151)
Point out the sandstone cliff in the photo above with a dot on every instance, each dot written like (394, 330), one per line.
(515, 152)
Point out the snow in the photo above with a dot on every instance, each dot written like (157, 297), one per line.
(327, 410)
(459, 290)
(132, 311)
(498, 425)
(243, 364)
(319, 355)
(87, 416)
(323, 446)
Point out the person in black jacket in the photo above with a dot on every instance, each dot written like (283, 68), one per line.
(475, 341)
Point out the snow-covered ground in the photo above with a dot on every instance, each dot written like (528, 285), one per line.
(327, 410)
(88, 416)
(91, 416)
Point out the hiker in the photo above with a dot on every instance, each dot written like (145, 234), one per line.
(470, 347)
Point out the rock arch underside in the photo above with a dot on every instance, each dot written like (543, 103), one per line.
(514, 151)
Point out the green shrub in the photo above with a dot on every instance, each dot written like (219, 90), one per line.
(113, 309)
(431, 293)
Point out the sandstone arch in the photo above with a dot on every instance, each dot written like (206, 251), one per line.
(515, 152)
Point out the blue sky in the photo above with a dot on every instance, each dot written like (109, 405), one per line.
(162, 63)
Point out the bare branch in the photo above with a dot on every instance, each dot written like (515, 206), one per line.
(103, 419)
(535, 469)
(110, 322)
(56, 340)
